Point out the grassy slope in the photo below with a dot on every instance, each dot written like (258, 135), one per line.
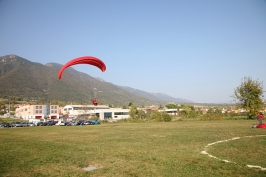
(131, 149)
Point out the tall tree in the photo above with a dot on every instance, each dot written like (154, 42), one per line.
(133, 111)
(249, 95)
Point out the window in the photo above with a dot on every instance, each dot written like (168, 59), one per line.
(121, 113)
(38, 107)
(36, 111)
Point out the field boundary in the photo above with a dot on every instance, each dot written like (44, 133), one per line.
(227, 161)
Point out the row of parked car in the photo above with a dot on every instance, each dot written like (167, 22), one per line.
(15, 124)
(48, 123)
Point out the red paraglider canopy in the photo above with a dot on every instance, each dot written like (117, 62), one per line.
(83, 60)
(261, 126)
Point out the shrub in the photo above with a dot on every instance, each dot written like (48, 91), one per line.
(160, 117)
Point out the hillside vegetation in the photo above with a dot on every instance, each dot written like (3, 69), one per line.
(26, 80)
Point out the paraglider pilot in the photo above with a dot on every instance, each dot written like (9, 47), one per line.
(260, 117)
(94, 102)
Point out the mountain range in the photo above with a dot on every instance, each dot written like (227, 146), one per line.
(28, 80)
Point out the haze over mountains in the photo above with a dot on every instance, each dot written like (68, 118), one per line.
(27, 80)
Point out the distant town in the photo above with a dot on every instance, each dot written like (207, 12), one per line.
(50, 112)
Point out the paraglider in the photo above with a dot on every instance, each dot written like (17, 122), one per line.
(84, 60)
(260, 118)
(95, 92)
(261, 126)
(94, 102)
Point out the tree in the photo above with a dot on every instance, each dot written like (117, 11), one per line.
(133, 111)
(171, 106)
(160, 117)
(249, 95)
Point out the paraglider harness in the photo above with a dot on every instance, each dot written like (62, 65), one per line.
(94, 102)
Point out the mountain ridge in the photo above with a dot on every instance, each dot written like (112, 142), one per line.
(22, 78)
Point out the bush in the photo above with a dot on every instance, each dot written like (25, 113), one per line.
(212, 115)
(160, 117)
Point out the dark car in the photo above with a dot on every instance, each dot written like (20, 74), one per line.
(81, 122)
(41, 123)
(16, 124)
(68, 124)
(7, 125)
(51, 123)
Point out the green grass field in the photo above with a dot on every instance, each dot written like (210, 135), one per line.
(134, 149)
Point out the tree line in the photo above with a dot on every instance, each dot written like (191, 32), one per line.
(248, 97)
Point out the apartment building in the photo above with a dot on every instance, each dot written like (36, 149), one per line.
(37, 112)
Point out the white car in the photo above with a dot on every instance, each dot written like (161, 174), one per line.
(60, 123)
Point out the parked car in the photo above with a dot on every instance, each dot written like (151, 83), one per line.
(41, 123)
(68, 124)
(95, 122)
(51, 123)
(24, 124)
(7, 125)
(74, 123)
(16, 124)
(81, 122)
(88, 122)
(92, 122)
(31, 124)
(62, 123)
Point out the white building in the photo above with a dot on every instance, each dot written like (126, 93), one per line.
(101, 111)
(169, 111)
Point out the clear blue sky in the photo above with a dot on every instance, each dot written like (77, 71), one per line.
(190, 49)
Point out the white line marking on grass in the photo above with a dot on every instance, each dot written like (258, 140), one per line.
(89, 168)
(227, 161)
